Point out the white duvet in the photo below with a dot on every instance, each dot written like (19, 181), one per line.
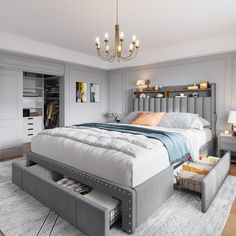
(132, 145)
(125, 159)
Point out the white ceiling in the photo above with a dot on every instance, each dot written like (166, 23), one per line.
(159, 24)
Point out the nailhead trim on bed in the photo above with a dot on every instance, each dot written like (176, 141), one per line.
(125, 194)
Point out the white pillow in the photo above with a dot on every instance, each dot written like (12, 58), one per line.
(200, 123)
(178, 120)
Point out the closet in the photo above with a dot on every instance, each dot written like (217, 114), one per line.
(41, 103)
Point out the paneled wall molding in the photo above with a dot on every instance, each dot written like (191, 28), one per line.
(11, 122)
(1, 59)
(116, 92)
(177, 62)
(84, 68)
(32, 64)
(219, 69)
(76, 113)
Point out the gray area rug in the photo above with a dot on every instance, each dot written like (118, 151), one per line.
(21, 214)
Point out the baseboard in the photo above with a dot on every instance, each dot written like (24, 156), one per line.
(11, 153)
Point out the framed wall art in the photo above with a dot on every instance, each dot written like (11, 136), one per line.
(94, 92)
(81, 92)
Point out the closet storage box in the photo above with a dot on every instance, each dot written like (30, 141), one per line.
(208, 185)
(89, 216)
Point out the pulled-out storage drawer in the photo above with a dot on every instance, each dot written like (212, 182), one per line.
(89, 216)
(207, 185)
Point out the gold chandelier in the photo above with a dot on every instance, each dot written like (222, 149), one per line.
(110, 54)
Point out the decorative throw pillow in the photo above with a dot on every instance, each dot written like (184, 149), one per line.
(178, 120)
(148, 119)
(130, 117)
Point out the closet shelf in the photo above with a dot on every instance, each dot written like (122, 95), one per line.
(51, 92)
(32, 78)
(32, 107)
(38, 97)
(52, 98)
(33, 88)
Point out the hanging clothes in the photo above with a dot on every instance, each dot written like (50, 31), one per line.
(52, 115)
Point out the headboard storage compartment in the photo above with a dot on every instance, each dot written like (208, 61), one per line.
(204, 104)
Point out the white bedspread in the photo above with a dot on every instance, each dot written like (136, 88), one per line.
(146, 158)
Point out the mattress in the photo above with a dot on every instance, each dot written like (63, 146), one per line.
(113, 165)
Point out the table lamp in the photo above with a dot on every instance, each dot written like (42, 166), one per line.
(232, 120)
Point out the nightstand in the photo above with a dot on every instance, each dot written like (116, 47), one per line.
(226, 143)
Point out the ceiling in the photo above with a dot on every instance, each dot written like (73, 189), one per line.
(159, 24)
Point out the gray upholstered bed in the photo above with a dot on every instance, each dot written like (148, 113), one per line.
(138, 202)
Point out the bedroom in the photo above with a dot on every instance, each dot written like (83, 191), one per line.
(52, 81)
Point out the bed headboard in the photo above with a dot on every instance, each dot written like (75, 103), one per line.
(205, 106)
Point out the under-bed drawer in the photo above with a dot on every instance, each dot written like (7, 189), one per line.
(72, 206)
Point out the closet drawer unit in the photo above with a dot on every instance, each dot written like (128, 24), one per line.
(27, 137)
(31, 127)
(90, 217)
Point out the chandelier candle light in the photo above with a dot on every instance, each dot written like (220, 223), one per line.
(110, 55)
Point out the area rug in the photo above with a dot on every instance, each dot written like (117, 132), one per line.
(180, 215)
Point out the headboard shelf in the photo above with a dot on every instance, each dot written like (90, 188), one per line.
(172, 91)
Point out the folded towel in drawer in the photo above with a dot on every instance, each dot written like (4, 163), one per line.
(200, 168)
(113, 205)
(74, 185)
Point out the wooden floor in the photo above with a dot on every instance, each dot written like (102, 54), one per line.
(233, 170)
(230, 227)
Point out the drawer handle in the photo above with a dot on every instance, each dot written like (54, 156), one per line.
(30, 118)
(31, 129)
(30, 134)
(30, 123)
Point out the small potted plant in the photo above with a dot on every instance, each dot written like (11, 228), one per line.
(116, 115)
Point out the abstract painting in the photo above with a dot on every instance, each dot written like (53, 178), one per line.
(94, 92)
(81, 92)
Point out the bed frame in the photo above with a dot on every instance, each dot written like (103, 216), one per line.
(137, 203)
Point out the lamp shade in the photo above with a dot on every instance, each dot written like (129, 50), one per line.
(141, 82)
(232, 117)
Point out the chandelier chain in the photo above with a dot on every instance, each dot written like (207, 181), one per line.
(117, 12)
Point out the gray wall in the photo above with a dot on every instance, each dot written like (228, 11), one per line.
(76, 113)
(220, 69)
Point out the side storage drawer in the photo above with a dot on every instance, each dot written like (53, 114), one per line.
(207, 185)
(213, 181)
(88, 216)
